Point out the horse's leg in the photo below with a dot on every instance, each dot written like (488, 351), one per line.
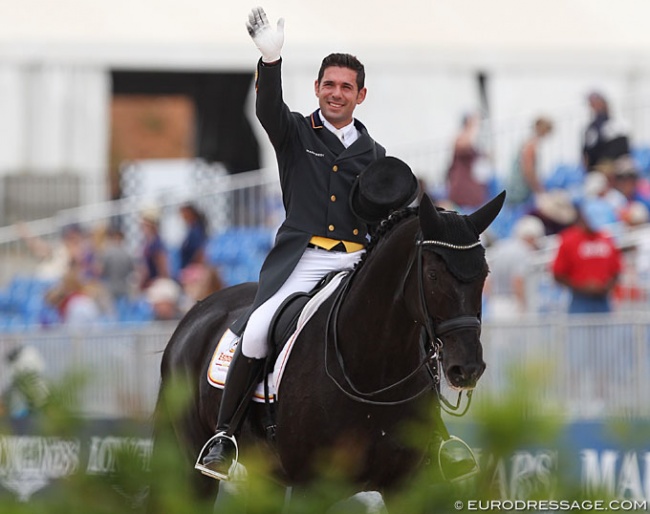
(232, 497)
(171, 459)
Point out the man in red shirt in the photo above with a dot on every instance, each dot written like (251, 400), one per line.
(588, 263)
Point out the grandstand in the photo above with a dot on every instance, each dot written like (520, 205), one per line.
(245, 209)
(237, 246)
(128, 345)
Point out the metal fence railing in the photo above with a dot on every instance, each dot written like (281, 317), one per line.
(579, 365)
(119, 366)
(588, 366)
(245, 199)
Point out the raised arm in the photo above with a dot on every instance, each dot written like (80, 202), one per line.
(273, 113)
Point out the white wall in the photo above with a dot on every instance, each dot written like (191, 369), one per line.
(13, 106)
(56, 118)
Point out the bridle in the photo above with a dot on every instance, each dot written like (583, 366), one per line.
(431, 339)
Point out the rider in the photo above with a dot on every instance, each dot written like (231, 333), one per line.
(319, 157)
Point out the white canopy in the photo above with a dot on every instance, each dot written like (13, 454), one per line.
(211, 33)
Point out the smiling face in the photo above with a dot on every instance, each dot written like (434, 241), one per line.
(338, 95)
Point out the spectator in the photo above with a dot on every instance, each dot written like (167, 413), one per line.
(635, 214)
(198, 281)
(465, 189)
(625, 181)
(588, 263)
(556, 210)
(605, 139)
(604, 201)
(193, 246)
(524, 180)
(510, 260)
(115, 265)
(164, 296)
(27, 391)
(55, 259)
(598, 184)
(154, 259)
(73, 301)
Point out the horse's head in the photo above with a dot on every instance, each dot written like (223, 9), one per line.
(452, 274)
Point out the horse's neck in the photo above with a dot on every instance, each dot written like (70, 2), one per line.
(375, 309)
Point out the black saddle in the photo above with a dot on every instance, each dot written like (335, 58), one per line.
(285, 320)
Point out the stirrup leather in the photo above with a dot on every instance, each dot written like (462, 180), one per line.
(464, 446)
(198, 465)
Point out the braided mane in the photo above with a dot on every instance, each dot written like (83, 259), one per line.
(385, 227)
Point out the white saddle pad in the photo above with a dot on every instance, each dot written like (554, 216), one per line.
(218, 368)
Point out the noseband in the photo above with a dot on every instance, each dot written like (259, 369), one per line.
(432, 345)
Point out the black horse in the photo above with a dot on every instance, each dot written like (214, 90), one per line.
(367, 362)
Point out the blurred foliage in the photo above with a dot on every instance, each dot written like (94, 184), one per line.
(498, 427)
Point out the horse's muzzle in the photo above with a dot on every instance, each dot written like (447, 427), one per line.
(464, 376)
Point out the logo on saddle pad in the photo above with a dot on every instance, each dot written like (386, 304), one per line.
(223, 354)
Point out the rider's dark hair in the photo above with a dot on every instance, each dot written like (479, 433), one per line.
(344, 61)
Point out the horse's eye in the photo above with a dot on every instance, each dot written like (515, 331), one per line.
(431, 275)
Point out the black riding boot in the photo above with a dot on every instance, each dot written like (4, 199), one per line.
(243, 375)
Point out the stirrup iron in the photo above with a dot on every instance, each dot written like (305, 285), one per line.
(198, 465)
(475, 469)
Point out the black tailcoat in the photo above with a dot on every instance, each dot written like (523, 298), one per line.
(316, 175)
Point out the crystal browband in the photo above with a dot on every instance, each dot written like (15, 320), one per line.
(449, 245)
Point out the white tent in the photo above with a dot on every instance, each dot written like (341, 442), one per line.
(211, 33)
(422, 57)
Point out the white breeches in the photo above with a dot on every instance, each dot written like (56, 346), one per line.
(311, 268)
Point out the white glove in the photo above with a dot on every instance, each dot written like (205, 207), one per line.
(268, 41)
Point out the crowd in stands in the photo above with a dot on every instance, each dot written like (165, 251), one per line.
(88, 276)
(580, 212)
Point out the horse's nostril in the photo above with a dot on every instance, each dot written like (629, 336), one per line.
(456, 374)
(465, 375)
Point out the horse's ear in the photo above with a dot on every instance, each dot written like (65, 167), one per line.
(485, 215)
(429, 217)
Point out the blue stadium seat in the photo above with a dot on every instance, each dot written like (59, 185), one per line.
(502, 225)
(566, 176)
(494, 186)
(19, 293)
(136, 310)
(238, 253)
(174, 257)
(641, 156)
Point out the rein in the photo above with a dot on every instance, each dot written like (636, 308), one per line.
(432, 344)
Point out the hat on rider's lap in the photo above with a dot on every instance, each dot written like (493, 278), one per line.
(386, 185)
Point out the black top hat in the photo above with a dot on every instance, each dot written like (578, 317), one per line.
(387, 184)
